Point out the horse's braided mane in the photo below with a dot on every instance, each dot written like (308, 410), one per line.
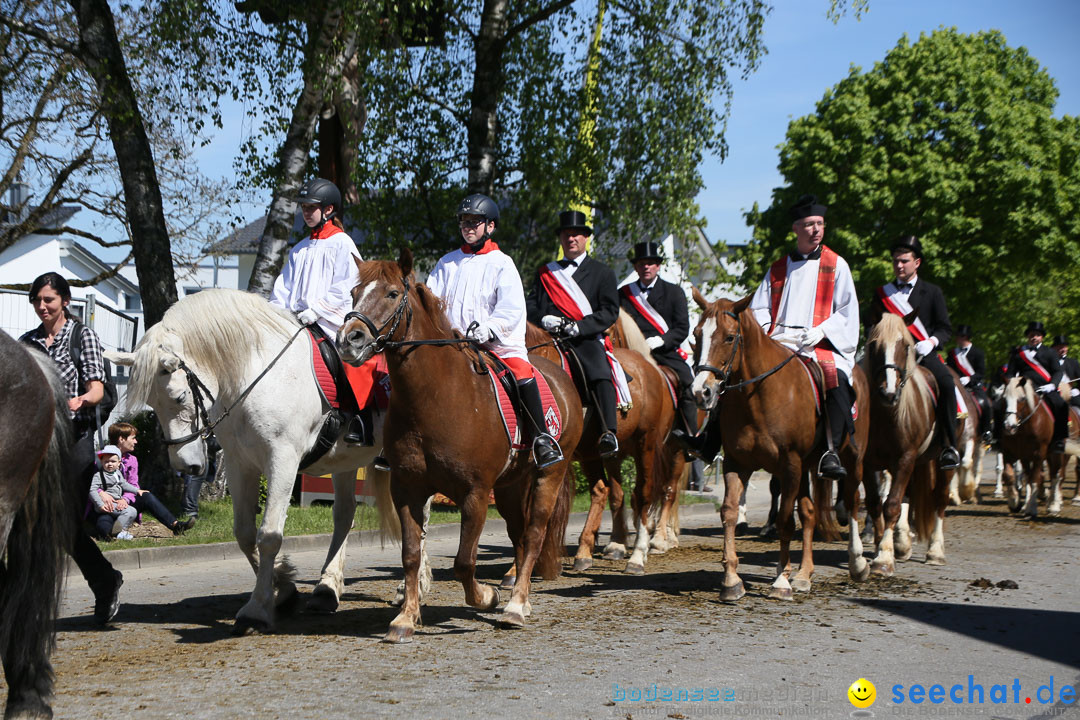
(215, 330)
(889, 330)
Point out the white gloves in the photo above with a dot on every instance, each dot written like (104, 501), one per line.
(811, 337)
(655, 342)
(480, 332)
(1048, 387)
(551, 323)
(965, 380)
(570, 329)
(924, 348)
(308, 317)
(1075, 392)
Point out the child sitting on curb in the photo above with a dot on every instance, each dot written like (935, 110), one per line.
(114, 514)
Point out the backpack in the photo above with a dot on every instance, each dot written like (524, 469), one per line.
(111, 397)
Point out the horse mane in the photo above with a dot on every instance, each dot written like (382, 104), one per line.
(633, 337)
(889, 330)
(216, 330)
(1025, 391)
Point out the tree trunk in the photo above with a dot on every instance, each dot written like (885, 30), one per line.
(322, 73)
(488, 80)
(100, 51)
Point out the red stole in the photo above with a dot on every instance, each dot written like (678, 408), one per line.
(489, 246)
(962, 363)
(823, 301)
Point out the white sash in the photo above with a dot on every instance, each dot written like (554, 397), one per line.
(618, 376)
(1028, 356)
(639, 301)
(963, 363)
(897, 303)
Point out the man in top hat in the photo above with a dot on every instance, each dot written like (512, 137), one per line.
(578, 298)
(931, 330)
(969, 362)
(1070, 369)
(807, 302)
(1042, 366)
(659, 308)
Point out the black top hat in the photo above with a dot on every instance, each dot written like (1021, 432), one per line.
(963, 331)
(1035, 327)
(807, 206)
(648, 251)
(1060, 340)
(907, 242)
(574, 220)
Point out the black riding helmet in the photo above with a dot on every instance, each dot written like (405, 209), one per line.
(321, 192)
(477, 204)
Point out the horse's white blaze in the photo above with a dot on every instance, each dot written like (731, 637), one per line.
(892, 380)
(370, 288)
(707, 330)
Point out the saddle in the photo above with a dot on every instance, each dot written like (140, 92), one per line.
(506, 395)
(672, 382)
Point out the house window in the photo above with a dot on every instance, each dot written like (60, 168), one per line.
(133, 302)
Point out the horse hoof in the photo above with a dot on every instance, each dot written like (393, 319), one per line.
(742, 528)
(1076, 501)
(732, 593)
(512, 620)
(800, 585)
(657, 549)
(780, 593)
(493, 602)
(289, 604)
(249, 626)
(935, 559)
(903, 555)
(998, 494)
(614, 554)
(399, 634)
(634, 569)
(323, 601)
(884, 569)
(508, 582)
(860, 572)
(769, 531)
(582, 564)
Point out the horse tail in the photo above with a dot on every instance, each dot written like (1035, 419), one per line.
(825, 515)
(549, 564)
(389, 522)
(921, 495)
(31, 582)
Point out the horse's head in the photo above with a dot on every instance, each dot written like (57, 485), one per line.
(717, 341)
(890, 355)
(381, 308)
(1019, 398)
(158, 379)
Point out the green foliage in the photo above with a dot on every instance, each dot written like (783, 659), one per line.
(951, 138)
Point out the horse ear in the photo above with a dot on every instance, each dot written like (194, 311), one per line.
(911, 316)
(358, 261)
(741, 305)
(700, 299)
(117, 357)
(876, 311)
(170, 362)
(405, 262)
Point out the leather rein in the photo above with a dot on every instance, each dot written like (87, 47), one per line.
(724, 373)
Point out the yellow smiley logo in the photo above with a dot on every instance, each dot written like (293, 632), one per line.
(862, 693)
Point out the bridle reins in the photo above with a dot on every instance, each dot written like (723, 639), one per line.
(722, 374)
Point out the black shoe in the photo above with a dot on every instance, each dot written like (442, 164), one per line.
(180, 527)
(950, 459)
(546, 451)
(988, 437)
(381, 463)
(354, 431)
(691, 444)
(107, 597)
(830, 467)
(608, 444)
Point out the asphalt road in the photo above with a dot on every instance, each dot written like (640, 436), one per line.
(598, 641)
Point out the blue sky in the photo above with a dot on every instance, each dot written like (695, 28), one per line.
(808, 53)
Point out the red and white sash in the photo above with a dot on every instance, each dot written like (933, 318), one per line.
(962, 362)
(897, 304)
(567, 296)
(632, 292)
(1028, 356)
(823, 300)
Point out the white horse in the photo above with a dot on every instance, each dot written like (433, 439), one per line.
(210, 348)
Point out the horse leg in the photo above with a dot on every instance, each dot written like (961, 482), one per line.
(1076, 490)
(935, 552)
(510, 503)
(616, 547)
(272, 580)
(664, 537)
(858, 567)
(732, 587)
(542, 499)
(808, 518)
(1057, 475)
(875, 523)
(29, 682)
(413, 519)
(769, 529)
(785, 526)
(644, 459)
(999, 471)
(1034, 473)
(425, 566)
(473, 516)
(884, 562)
(902, 533)
(598, 492)
(1008, 475)
(327, 594)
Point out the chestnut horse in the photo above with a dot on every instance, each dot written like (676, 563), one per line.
(1026, 431)
(768, 419)
(641, 430)
(443, 433)
(903, 441)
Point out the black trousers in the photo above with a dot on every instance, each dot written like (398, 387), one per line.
(592, 375)
(838, 402)
(687, 406)
(1060, 410)
(986, 411)
(82, 464)
(946, 401)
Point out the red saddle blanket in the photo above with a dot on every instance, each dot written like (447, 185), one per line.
(370, 382)
(552, 416)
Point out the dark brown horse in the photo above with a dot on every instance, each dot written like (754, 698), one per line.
(35, 522)
(443, 433)
(770, 423)
(642, 430)
(903, 441)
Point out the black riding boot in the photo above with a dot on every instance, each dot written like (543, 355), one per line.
(986, 414)
(687, 435)
(545, 450)
(946, 416)
(838, 407)
(605, 394)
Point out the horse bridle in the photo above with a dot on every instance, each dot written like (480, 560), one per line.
(722, 374)
(198, 387)
(382, 340)
(902, 372)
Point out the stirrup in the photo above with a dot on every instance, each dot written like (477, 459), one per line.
(950, 464)
(839, 473)
(552, 456)
(380, 463)
(612, 446)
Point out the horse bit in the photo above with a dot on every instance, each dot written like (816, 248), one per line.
(382, 340)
